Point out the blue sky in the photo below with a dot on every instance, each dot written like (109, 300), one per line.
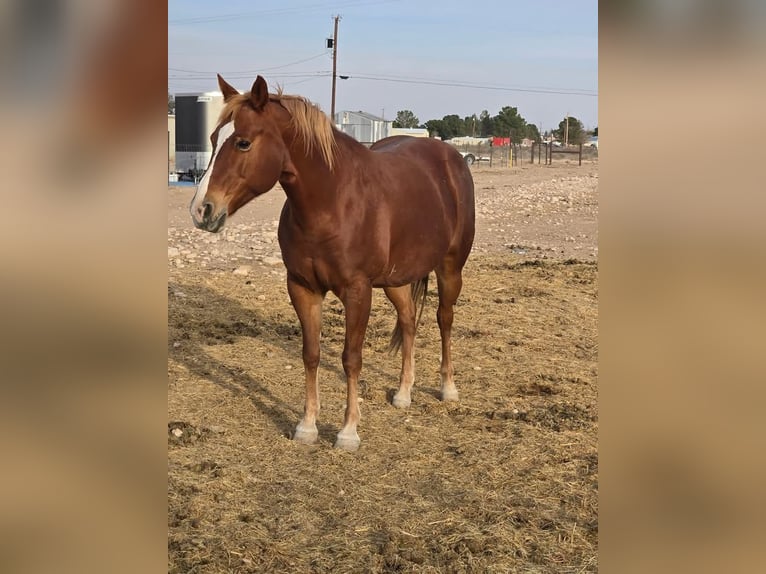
(512, 53)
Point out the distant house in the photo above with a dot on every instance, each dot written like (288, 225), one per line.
(468, 140)
(363, 127)
(414, 132)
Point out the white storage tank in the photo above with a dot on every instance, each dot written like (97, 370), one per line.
(196, 118)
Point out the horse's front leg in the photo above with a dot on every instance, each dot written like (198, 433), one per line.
(357, 299)
(308, 306)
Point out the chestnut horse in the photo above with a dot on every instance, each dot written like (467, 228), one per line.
(354, 218)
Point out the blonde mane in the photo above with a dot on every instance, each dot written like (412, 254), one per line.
(309, 122)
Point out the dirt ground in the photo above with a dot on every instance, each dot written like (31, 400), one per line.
(504, 481)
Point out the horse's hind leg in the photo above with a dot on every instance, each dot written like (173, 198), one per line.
(450, 282)
(402, 299)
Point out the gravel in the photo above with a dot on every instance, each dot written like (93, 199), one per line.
(532, 212)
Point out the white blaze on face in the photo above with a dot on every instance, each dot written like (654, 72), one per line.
(226, 131)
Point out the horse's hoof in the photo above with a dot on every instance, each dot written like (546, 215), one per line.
(449, 395)
(401, 402)
(304, 436)
(350, 444)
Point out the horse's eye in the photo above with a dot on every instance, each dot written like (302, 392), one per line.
(243, 145)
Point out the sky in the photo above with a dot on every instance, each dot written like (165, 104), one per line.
(433, 57)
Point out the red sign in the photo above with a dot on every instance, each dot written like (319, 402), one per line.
(497, 142)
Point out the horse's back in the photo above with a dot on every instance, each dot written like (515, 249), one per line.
(432, 155)
(418, 148)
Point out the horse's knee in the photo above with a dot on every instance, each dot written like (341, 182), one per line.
(407, 325)
(444, 316)
(310, 359)
(352, 362)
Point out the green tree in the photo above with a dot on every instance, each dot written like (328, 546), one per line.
(406, 119)
(486, 128)
(574, 134)
(595, 131)
(533, 133)
(508, 121)
(453, 126)
(472, 125)
(171, 104)
(435, 128)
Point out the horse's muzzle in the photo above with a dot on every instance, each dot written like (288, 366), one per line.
(209, 223)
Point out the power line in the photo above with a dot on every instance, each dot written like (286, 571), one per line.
(458, 84)
(251, 71)
(279, 11)
(477, 84)
(306, 80)
(403, 80)
(248, 76)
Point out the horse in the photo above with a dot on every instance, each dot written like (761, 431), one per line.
(354, 218)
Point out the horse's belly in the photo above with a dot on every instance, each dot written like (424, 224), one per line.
(409, 266)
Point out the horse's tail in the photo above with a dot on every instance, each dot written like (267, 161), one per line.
(419, 291)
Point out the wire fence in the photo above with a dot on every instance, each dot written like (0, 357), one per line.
(478, 155)
(190, 161)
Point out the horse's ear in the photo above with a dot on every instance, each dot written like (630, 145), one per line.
(227, 90)
(259, 94)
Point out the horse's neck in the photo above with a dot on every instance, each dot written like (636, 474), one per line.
(308, 183)
(312, 176)
(312, 188)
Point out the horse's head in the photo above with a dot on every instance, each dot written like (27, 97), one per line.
(249, 155)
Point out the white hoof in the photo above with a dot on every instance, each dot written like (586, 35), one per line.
(307, 435)
(348, 443)
(400, 401)
(449, 395)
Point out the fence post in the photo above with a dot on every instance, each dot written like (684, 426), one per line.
(580, 155)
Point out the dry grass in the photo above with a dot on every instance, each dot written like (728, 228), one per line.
(504, 481)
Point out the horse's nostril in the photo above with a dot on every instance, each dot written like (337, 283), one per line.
(207, 210)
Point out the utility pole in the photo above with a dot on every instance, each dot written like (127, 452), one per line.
(566, 131)
(334, 67)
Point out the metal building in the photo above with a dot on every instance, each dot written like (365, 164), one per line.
(196, 118)
(363, 127)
